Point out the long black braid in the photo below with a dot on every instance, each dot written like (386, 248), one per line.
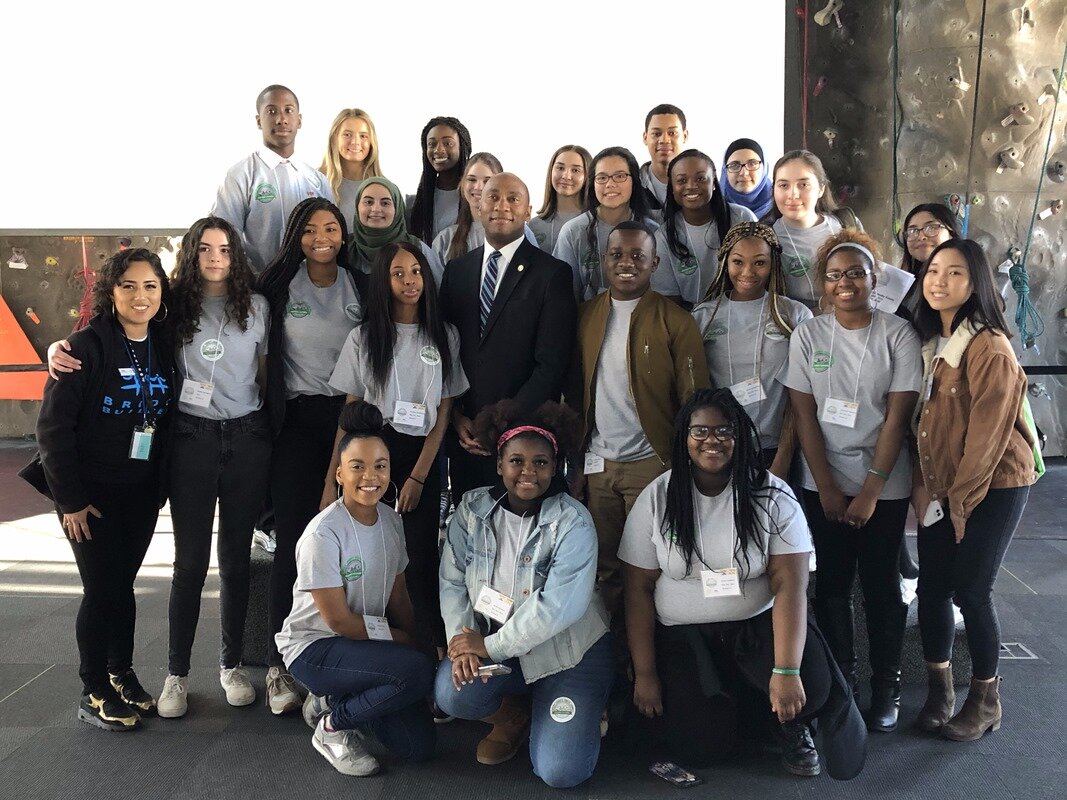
(720, 211)
(422, 209)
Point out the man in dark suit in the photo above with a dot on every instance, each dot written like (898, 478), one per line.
(514, 308)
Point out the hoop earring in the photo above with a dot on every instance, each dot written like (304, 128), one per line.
(166, 311)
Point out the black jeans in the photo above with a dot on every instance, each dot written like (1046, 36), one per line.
(297, 476)
(420, 535)
(965, 572)
(108, 564)
(873, 551)
(225, 462)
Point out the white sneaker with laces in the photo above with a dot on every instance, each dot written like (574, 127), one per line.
(238, 686)
(343, 750)
(315, 707)
(282, 695)
(173, 700)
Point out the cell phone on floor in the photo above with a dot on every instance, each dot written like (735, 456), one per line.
(490, 670)
(934, 513)
(674, 774)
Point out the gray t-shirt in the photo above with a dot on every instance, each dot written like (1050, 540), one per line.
(511, 531)
(347, 201)
(416, 367)
(443, 241)
(336, 551)
(546, 231)
(737, 336)
(227, 357)
(317, 322)
(652, 183)
(825, 358)
(617, 433)
(799, 246)
(680, 598)
(572, 246)
(445, 209)
(691, 277)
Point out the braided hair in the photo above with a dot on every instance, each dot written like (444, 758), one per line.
(720, 211)
(422, 208)
(748, 481)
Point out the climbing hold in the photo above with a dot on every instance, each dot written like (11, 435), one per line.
(830, 134)
(1057, 171)
(977, 199)
(819, 86)
(1055, 207)
(1018, 114)
(1009, 158)
(33, 316)
(831, 9)
(51, 261)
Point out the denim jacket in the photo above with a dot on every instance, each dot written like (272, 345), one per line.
(557, 614)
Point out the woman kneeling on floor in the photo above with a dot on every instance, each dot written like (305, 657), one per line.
(716, 570)
(518, 600)
(350, 635)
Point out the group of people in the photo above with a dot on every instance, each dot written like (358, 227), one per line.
(642, 485)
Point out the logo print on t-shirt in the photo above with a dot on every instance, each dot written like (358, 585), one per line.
(298, 310)
(716, 330)
(352, 569)
(773, 332)
(688, 265)
(821, 361)
(266, 192)
(352, 311)
(796, 266)
(430, 355)
(212, 350)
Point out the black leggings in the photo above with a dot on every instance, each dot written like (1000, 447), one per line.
(965, 572)
(299, 462)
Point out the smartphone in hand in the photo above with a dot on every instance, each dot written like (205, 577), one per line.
(489, 670)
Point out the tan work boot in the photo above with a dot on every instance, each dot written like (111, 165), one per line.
(511, 726)
(981, 712)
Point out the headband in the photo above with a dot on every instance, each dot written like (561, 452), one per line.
(854, 246)
(510, 434)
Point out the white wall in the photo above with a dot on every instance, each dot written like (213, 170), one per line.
(127, 115)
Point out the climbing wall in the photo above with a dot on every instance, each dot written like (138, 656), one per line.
(955, 101)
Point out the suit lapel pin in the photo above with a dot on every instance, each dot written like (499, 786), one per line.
(520, 268)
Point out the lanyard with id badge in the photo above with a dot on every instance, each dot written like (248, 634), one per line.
(198, 393)
(750, 390)
(837, 411)
(406, 413)
(723, 581)
(141, 442)
(377, 626)
(493, 604)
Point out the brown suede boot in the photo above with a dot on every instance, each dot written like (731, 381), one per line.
(940, 699)
(511, 726)
(981, 712)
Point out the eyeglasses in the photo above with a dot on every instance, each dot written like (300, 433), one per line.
(614, 177)
(929, 230)
(723, 433)
(751, 165)
(855, 273)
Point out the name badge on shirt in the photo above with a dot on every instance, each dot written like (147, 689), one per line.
(410, 414)
(840, 412)
(593, 463)
(141, 444)
(750, 391)
(494, 605)
(377, 628)
(196, 393)
(720, 582)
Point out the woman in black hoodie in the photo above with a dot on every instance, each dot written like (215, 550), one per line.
(101, 434)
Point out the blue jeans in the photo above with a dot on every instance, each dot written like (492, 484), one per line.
(373, 685)
(564, 737)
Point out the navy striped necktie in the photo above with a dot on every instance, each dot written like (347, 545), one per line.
(489, 286)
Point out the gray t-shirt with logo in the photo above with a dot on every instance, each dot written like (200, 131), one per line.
(318, 319)
(416, 367)
(680, 598)
(799, 246)
(546, 231)
(227, 357)
(617, 433)
(737, 336)
(862, 366)
(336, 551)
(572, 246)
(690, 278)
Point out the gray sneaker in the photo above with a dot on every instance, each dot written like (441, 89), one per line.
(343, 750)
(315, 708)
(282, 695)
(173, 701)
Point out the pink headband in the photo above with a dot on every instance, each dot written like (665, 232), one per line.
(508, 435)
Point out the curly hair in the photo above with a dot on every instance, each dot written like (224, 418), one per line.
(108, 276)
(188, 283)
(847, 236)
(559, 420)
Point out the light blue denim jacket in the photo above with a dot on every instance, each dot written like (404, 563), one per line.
(557, 614)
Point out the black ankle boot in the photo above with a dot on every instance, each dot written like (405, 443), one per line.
(885, 703)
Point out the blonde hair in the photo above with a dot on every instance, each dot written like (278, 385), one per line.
(331, 162)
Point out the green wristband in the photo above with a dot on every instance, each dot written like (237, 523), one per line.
(781, 671)
(877, 472)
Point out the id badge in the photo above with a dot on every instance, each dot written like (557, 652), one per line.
(928, 389)
(196, 393)
(750, 391)
(720, 582)
(840, 412)
(593, 463)
(377, 628)
(494, 605)
(141, 443)
(411, 414)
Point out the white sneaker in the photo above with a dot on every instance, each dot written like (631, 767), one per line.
(315, 707)
(343, 750)
(282, 695)
(239, 689)
(173, 701)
